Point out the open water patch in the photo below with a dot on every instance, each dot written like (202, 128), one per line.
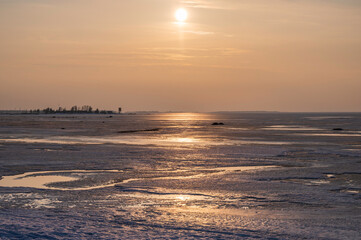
(96, 179)
(162, 141)
(348, 134)
(46, 179)
(291, 128)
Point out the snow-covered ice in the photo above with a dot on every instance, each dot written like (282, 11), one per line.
(175, 175)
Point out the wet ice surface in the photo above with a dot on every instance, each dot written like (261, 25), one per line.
(161, 176)
(47, 179)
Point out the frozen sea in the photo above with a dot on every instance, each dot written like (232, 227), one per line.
(177, 176)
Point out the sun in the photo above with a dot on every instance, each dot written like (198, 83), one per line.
(181, 15)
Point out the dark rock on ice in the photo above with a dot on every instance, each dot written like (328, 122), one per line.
(141, 130)
(217, 123)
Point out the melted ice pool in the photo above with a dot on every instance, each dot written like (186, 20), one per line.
(43, 180)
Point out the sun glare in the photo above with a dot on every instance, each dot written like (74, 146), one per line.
(181, 15)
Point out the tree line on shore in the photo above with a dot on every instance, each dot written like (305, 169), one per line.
(72, 110)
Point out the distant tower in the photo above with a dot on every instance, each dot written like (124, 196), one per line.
(119, 110)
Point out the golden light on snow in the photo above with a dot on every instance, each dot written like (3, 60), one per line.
(183, 198)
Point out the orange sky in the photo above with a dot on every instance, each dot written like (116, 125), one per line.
(229, 55)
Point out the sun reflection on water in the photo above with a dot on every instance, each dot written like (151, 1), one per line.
(186, 140)
(184, 116)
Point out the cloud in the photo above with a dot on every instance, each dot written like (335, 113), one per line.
(158, 56)
(199, 32)
(194, 52)
(208, 4)
(204, 33)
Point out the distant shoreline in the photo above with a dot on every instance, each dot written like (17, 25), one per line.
(67, 113)
(86, 109)
(104, 112)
